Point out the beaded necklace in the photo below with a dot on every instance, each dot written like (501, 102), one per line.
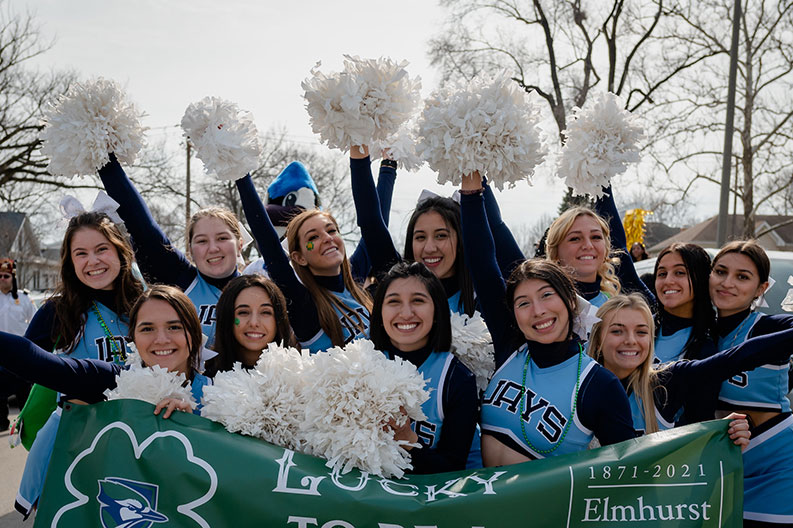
(523, 405)
(118, 354)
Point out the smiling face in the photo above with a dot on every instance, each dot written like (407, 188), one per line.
(214, 247)
(734, 283)
(540, 312)
(673, 286)
(160, 337)
(626, 341)
(253, 308)
(408, 313)
(95, 259)
(320, 246)
(435, 244)
(583, 248)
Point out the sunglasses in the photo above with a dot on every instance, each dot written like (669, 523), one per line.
(5, 276)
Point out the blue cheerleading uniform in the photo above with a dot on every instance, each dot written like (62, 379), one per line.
(303, 315)
(767, 474)
(93, 343)
(451, 410)
(538, 411)
(670, 347)
(159, 261)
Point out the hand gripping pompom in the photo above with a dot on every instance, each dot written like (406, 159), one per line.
(489, 126)
(474, 346)
(150, 384)
(602, 139)
(365, 103)
(224, 136)
(86, 124)
(355, 391)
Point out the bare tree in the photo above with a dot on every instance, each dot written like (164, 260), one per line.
(529, 235)
(688, 142)
(24, 93)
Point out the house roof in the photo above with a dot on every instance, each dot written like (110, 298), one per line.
(704, 233)
(10, 224)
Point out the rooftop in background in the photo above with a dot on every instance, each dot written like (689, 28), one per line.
(704, 233)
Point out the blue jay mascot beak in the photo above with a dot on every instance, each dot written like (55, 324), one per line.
(128, 504)
(291, 193)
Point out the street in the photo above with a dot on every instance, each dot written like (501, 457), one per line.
(12, 461)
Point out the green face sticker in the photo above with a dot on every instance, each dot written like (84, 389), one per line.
(310, 246)
(236, 321)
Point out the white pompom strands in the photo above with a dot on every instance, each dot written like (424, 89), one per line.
(366, 104)
(150, 384)
(355, 391)
(474, 346)
(224, 136)
(86, 124)
(489, 126)
(602, 139)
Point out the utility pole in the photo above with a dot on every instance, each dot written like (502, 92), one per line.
(187, 191)
(726, 162)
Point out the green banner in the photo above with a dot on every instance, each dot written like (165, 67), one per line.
(118, 465)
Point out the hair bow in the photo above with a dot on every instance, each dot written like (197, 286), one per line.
(71, 207)
(426, 194)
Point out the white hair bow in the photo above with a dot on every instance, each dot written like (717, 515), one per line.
(585, 319)
(426, 194)
(71, 207)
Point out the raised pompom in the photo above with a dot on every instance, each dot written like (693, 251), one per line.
(150, 384)
(367, 102)
(602, 138)
(266, 402)
(85, 125)
(489, 126)
(224, 136)
(401, 147)
(474, 346)
(354, 392)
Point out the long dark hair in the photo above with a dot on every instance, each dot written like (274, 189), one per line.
(450, 212)
(697, 263)
(440, 336)
(72, 298)
(226, 345)
(186, 311)
(546, 271)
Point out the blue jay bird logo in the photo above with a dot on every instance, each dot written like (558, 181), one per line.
(128, 504)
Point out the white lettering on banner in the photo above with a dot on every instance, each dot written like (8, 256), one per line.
(335, 477)
(386, 485)
(431, 493)
(305, 522)
(488, 484)
(599, 510)
(284, 463)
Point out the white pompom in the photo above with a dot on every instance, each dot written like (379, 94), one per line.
(150, 384)
(489, 126)
(366, 102)
(86, 124)
(266, 402)
(474, 346)
(354, 392)
(224, 136)
(401, 147)
(602, 139)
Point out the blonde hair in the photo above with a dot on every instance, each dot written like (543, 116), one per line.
(327, 303)
(643, 381)
(609, 283)
(222, 214)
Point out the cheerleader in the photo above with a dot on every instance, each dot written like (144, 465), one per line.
(622, 341)
(410, 320)
(251, 313)
(326, 306)
(433, 235)
(86, 318)
(214, 241)
(528, 411)
(737, 282)
(166, 333)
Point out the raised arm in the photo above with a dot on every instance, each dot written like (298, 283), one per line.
(629, 279)
(508, 251)
(159, 260)
(84, 379)
(480, 257)
(302, 311)
(360, 261)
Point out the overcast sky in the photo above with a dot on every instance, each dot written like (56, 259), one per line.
(171, 53)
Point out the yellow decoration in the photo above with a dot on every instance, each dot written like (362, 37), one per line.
(634, 225)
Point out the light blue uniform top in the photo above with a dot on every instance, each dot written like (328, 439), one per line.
(353, 311)
(204, 297)
(638, 418)
(670, 347)
(547, 404)
(434, 369)
(764, 388)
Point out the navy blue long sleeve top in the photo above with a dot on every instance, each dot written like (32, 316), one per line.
(602, 404)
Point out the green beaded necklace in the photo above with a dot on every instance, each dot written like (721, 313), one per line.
(118, 355)
(523, 405)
